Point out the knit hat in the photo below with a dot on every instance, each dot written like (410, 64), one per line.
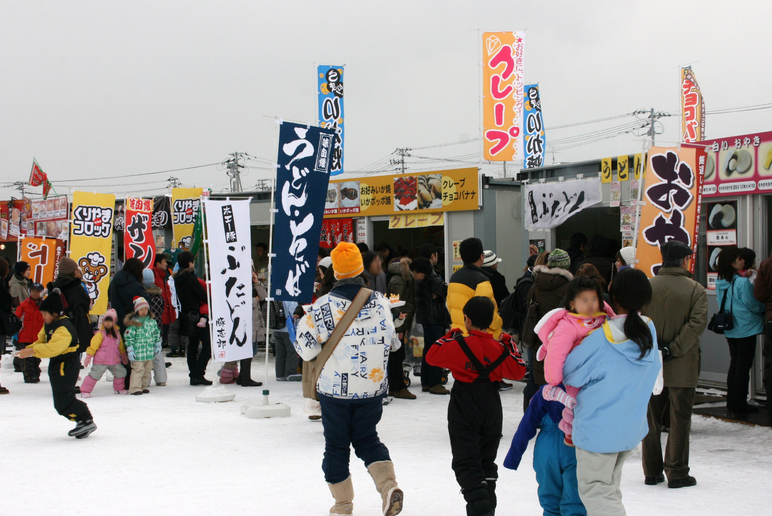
(20, 267)
(148, 278)
(559, 259)
(325, 262)
(67, 266)
(628, 255)
(347, 261)
(490, 259)
(674, 250)
(110, 314)
(140, 302)
(53, 303)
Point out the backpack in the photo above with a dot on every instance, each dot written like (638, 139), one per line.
(277, 319)
(517, 304)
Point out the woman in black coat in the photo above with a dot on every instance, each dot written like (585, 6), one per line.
(124, 287)
(78, 302)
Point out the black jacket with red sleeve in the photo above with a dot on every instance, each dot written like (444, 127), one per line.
(448, 353)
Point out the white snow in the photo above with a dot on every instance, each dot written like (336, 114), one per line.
(166, 454)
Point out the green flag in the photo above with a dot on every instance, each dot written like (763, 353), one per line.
(198, 231)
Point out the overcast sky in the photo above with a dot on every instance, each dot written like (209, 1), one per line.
(109, 89)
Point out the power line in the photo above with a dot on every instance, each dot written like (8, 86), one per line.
(595, 121)
(135, 175)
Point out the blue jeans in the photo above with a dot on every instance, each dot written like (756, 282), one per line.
(347, 423)
(555, 466)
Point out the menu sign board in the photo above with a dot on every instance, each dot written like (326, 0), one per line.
(738, 165)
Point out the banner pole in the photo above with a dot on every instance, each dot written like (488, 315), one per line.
(272, 210)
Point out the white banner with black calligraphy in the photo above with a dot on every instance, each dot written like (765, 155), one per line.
(230, 274)
(548, 205)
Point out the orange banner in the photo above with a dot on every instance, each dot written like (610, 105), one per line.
(692, 108)
(42, 255)
(672, 197)
(503, 84)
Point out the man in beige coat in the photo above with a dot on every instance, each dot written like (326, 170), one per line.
(679, 310)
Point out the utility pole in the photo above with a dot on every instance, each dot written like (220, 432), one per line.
(401, 161)
(234, 172)
(651, 126)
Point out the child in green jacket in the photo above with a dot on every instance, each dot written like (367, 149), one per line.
(143, 343)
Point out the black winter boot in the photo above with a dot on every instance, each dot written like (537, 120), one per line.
(477, 501)
(245, 375)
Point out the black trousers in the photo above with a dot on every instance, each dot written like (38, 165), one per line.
(474, 425)
(431, 375)
(396, 375)
(63, 373)
(30, 367)
(741, 353)
(198, 360)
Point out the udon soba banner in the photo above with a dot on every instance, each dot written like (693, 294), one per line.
(91, 238)
(302, 172)
(672, 203)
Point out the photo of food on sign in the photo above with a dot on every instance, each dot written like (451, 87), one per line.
(429, 194)
(405, 193)
(722, 216)
(735, 163)
(349, 194)
(332, 201)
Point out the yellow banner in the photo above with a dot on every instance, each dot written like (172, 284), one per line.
(185, 203)
(672, 196)
(637, 165)
(431, 192)
(623, 172)
(606, 172)
(503, 84)
(91, 239)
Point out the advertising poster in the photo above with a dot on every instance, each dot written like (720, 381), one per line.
(721, 232)
(230, 310)
(330, 92)
(302, 174)
(42, 255)
(672, 183)
(138, 239)
(738, 165)
(534, 139)
(91, 238)
(503, 85)
(185, 205)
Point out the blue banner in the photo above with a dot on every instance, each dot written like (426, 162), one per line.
(330, 92)
(534, 139)
(302, 175)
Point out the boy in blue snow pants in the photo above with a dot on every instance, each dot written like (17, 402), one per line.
(553, 461)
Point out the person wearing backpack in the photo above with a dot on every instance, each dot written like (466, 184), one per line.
(518, 300)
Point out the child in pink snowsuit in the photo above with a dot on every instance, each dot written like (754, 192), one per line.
(560, 331)
(107, 352)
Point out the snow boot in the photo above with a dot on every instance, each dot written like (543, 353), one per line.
(478, 501)
(87, 386)
(228, 375)
(245, 377)
(343, 492)
(83, 429)
(119, 386)
(386, 484)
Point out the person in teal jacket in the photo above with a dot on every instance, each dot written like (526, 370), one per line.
(616, 368)
(736, 293)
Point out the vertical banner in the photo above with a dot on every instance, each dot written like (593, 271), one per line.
(606, 172)
(623, 169)
(138, 239)
(161, 209)
(692, 108)
(335, 231)
(330, 92)
(185, 204)
(230, 280)
(535, 140)
(42, 255)
(503, 95)
(91, 238)
(672, 195)
(302, 176)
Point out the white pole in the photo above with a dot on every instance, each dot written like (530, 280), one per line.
(270, 259)
(207, 273)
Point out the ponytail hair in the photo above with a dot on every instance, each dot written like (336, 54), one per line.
(631, 291)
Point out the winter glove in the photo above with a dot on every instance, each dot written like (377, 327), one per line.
(87, 360)
(666, 353)
(157, 348)
(130, 352)
(555, 393)
(511, 346)
(124, 359)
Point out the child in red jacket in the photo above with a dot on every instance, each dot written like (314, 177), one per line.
(478, 362)
(32, 320)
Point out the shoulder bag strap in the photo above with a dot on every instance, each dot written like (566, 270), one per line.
(340, 329)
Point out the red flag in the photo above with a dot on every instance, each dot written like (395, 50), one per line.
(36, 176)
(46, 189)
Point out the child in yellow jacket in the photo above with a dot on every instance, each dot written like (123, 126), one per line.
(58, 341)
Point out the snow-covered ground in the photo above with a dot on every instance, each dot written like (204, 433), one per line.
(166, 454)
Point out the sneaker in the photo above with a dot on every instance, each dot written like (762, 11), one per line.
(682, 482)
(85, 394)
(504, 386)
(569, 441)
(653, 481)
(439, 389)
(168, 364)
(295, 378)
(405, 394)
(282, 379)
(138, 393)
(82, 429)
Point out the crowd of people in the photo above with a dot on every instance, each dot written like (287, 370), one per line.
(610, 358)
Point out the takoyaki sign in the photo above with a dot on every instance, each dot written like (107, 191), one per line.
(738, 165)
(431, 192)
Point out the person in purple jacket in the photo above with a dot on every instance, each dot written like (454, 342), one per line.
(553, 461)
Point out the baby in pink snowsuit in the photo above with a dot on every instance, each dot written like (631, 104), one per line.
(560, 331)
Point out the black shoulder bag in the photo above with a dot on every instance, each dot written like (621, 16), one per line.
(722, 320)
